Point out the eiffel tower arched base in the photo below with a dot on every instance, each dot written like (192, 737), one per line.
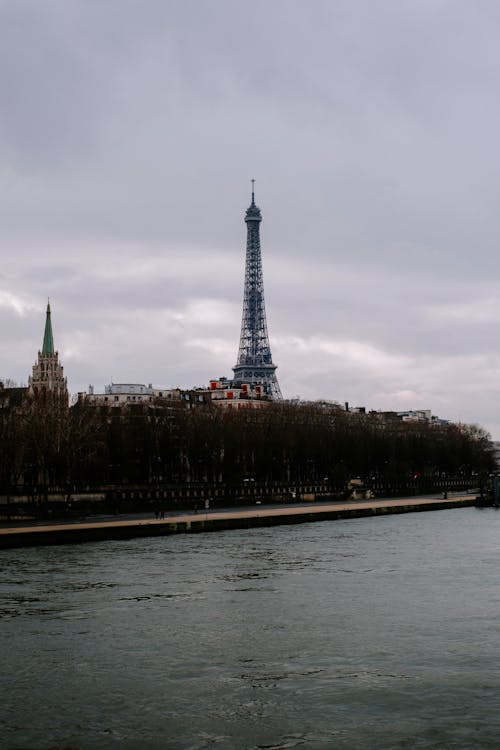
(262, 375)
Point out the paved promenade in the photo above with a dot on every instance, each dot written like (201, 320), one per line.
(218, 520)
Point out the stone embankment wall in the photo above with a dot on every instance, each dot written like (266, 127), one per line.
(57, 502)
(65, 533)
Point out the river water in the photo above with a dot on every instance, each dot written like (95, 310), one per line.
(366, 633)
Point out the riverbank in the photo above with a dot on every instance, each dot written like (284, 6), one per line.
(190, 523)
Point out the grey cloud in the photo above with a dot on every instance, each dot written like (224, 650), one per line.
(129, 133)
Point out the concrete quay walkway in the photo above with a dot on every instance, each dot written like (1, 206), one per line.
(219, 520)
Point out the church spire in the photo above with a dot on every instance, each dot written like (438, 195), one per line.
(48, 373)
(48, 338)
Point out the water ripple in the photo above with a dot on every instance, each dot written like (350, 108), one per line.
(376, 632)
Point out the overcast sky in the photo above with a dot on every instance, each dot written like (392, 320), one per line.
(130, 130)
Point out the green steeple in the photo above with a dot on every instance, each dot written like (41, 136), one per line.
(48, 339)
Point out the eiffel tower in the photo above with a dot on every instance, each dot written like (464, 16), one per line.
(255, 364)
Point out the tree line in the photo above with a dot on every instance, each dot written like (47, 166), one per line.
(43, 441)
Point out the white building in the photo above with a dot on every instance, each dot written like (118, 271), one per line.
(225, 395)
(220, 392)
(117, 394)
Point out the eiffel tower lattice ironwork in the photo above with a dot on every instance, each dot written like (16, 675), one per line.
(255, 364)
